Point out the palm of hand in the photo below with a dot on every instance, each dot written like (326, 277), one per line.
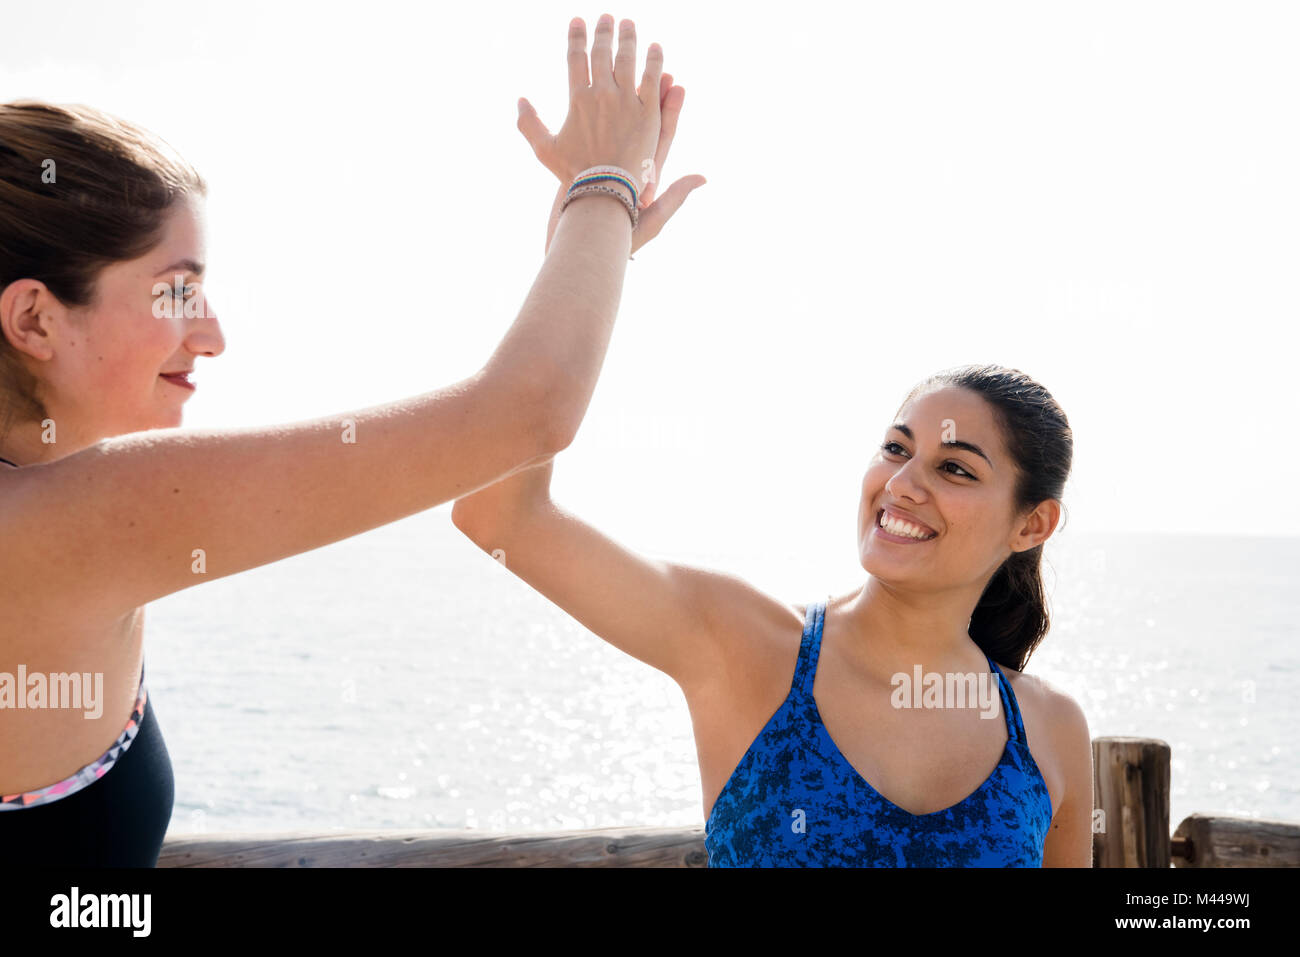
(652, 213)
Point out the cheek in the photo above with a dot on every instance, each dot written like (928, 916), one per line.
(974, 526)
(151, 341)
(873, 488)
(127, 352)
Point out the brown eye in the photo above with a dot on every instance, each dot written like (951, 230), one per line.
(964, 474)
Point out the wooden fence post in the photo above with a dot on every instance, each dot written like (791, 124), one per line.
(1131, 789)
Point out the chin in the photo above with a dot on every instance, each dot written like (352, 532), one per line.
(169, 420)
(877, 567)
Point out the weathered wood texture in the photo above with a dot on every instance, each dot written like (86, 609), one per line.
(612, 847)
(1131, 788)
(1217, 841)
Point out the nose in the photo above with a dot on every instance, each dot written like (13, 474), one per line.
(903, 484)
(204, 336)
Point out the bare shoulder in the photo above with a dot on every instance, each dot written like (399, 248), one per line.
(1071, 737)
(1060, 714)
(8, 475)
(740, 615)
(1064, 755)
(1057, 734)
(14, 557)
(756, 635)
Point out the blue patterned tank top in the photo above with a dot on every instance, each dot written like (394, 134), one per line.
(795, 801)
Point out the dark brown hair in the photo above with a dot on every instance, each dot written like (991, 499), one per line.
(79, 190)
(1011, 617)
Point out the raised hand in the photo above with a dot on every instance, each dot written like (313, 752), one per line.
(671, 99)
(558, 153)
(608, 122)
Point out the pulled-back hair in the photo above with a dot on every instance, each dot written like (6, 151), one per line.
(79, 190)
(1011, 617)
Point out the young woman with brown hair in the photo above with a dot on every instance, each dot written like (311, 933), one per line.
(105, 505)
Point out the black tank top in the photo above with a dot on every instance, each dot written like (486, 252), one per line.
(118, 820)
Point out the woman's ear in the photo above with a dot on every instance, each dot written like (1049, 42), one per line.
(26, 317)
(1038, 525)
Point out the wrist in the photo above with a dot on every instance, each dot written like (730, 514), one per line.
(622, 180)
(624, 196)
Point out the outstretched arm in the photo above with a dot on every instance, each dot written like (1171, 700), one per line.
(662, 613)
(136, 517)
(656, 611)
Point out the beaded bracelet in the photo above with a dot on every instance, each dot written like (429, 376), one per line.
(598, 173)
(582, 187)
(597, 188)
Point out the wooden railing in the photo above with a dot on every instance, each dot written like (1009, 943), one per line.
(609, 847)
(1130, 829)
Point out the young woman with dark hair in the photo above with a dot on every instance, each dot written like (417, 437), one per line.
(806, 756)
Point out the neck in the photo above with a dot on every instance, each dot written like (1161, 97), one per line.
(25, 444)
(895, 629)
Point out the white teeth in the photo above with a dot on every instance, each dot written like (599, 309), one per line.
(890, 524)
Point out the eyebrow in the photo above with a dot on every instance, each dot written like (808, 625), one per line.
(189, 264)
(954, 444)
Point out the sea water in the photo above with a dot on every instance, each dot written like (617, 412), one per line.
(404, 679)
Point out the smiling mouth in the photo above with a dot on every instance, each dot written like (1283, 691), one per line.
(181, 379)
(902, 531)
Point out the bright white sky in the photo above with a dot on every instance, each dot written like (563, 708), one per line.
(1103, 195)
